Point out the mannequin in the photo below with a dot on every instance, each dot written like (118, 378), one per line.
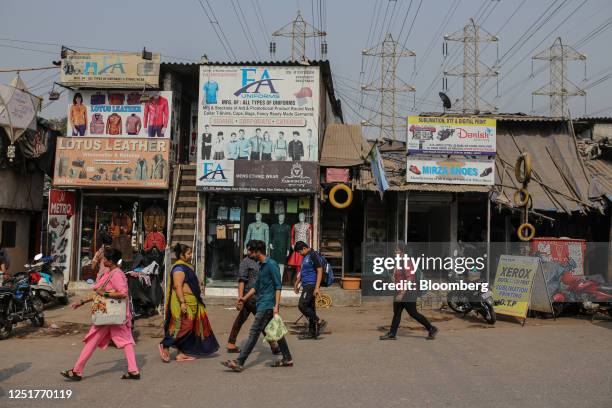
(302, 231)
(280, 243)
(257, 230)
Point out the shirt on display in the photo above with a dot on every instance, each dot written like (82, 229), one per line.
(211, 88)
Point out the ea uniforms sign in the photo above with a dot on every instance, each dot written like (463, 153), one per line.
(258, 128)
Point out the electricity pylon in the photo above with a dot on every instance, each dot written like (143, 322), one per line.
(389, 52)
(559, 87)
(298, 30)
(472, 69)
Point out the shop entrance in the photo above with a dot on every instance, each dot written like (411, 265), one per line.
(234, 219)
(429, 217)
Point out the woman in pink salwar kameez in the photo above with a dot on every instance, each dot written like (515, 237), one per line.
(100, 336)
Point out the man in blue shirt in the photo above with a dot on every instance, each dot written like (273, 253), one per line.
(268, 290)
(310, 275)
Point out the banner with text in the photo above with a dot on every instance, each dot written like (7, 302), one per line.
(120, 113)
(111, 162)
(258, 128)
(451, 135)
(62, 206)
(450, 171)
(110, 70)
(513, 283)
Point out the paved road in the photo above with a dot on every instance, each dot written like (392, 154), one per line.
(544, 364)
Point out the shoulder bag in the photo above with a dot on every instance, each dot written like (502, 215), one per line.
(105, 311)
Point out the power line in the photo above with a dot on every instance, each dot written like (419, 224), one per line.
(246, 31)
(219, 33)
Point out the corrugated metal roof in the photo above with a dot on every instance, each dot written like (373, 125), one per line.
(343, 146)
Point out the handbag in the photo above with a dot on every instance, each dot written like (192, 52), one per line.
(275, 329)
(105, 311)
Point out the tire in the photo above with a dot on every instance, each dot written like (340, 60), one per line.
(456, 302)
(38, 320)
(64, 300)
(558, 308)
(489, 313)
(6, 328)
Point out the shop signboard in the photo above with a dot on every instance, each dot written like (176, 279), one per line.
(120, 113)
(451, 135)
(450, 171)
(104, 162)
(258, 128)
(110, 70)
(62, 206)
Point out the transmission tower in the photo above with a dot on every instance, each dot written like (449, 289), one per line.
(298, 30)
(559, 87)
(472, 69)
(388, 86)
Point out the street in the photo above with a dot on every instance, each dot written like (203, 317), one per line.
(546, 363)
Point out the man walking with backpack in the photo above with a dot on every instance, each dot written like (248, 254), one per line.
(310, 276)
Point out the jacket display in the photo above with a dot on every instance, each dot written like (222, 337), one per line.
(116, 99)
(133, 98)
(155, 239)
(156, 112)
(96, 126)
(97, 99)
(113, 125)
(159, 169)
(142, 169)
(133, 124)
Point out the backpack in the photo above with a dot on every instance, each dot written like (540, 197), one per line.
(328, 272)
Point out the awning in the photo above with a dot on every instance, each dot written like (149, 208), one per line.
(343, 146)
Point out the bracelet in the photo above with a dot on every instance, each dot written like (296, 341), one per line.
(106, 294)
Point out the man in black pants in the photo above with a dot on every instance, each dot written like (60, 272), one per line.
(310, 275)
(247, 275)
(406, 299)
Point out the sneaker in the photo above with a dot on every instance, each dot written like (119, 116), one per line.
(321, 325)
(307, 336)
(388, 336)
(432, 333)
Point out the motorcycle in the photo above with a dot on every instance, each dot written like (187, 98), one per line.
(591, 293)
(463, 301)
(18, 303)
(50, 286)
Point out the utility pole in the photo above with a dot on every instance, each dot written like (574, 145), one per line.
(390, 53)
(298, 30)
(559, 87)
(472, 69)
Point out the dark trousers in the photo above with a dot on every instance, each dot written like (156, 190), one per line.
(255, 156)
(410, 307)
(308, 307)
(206, 152)
(259, 324)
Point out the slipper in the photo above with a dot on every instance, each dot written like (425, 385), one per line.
(188, 358)
(233, 365)
(234, 350)
(130, 376)
(71, 375)
(165, 359)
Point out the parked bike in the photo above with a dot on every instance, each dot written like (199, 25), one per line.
(465, 301)
(50, 284)
(18, 303)
(590, 293)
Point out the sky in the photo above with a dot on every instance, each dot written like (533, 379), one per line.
(33, 30)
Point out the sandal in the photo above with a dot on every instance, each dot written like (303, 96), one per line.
(130, 376)
(234, 350)
(282, 363)
(71, 375)
(186, 358)
(162, 353)
(233, 365)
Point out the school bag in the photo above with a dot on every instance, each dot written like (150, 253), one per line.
(328, 272)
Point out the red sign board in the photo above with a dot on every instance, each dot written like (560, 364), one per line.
(335, 175)
(61, 202)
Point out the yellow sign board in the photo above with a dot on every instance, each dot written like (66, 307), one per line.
(513, 284)
(110, 70)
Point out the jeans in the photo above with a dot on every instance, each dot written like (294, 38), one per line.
(154, 131)
(262, 319)
(308, 307)
(248, 309)
(80, 130)
(255, 156)
(412, 311)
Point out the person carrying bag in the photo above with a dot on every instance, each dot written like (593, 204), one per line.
(111, 318)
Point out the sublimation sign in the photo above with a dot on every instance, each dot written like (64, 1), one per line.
(450, 171)
(62, 206)
(451, 135)
(258, 128)
(111, 162)
(513, 283)
(110, 70)
(120, 113)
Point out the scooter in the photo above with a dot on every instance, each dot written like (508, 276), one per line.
(50, 286)
(592, 294)
(18, 303)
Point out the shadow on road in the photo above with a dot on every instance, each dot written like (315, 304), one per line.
(7, 373)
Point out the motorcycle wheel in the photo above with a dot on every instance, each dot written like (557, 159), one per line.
(558, 308)
(6, 328)
(489, 313)
(64, 300)
(38, 320)
(456, 302)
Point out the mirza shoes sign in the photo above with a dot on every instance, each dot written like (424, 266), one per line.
(450, 171)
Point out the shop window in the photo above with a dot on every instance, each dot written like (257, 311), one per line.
(9, 234)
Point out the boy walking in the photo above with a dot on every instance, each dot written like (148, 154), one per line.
(268, 290)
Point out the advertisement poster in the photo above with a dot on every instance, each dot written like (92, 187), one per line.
(110, 70)
(61, 228)
(258, 128)
(513, 283)
(120, 113)
(561, 251)
(451, 135)
(450, 171)
(111, 162)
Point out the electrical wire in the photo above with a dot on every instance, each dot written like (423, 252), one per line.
(246, 31)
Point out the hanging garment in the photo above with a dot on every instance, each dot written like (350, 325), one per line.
(96, 127)
(113, 125)
(141, 169)
(97, 99)
(154, 216)
(133, 98)
(116, 99)
(133, 124)
(159, 170)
